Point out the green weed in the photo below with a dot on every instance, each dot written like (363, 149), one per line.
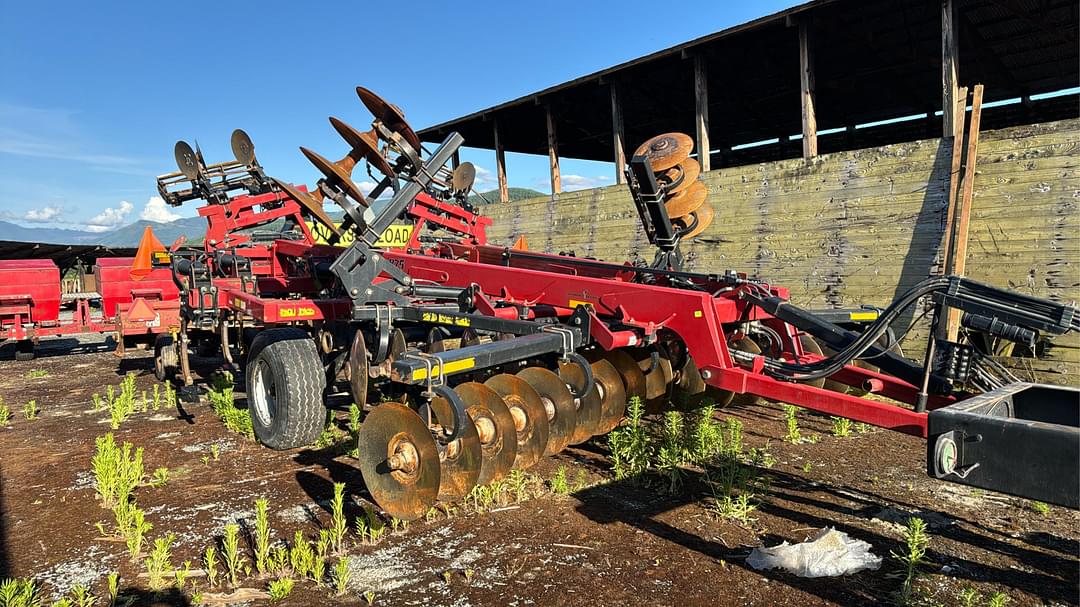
(342, 575)
(139, 527)
(158, 564)
(706, 437)
(31, 410)
(672, 453)
(37, 374)
(793, 435)
(280, 588)
(354, 430)
(262, 535)
(210, 562)
(301, 555)
(558, 483)
(5, 415)
(82, 597)
(338, 526)
(181, 575)
(160, 477)
(19, 593)
(1041, 507)
(114, 588)
(841, 426)
(916, 543)
(117, 470)
(221, 401)
(630, 445)
(230, 545)
(122, 405)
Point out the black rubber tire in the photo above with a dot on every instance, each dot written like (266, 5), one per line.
(166, 358)
(24, 351)
(285, 366)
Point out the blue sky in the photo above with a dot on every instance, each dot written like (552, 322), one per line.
(94, 95)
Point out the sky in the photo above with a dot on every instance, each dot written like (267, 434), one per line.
(93, 95)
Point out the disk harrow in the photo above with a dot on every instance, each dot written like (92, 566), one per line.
(471, 360)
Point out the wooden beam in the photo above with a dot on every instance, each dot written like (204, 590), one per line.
(949, 70)
(618, 135)
(553, 152)
(500, 164)
(963, 211)
(806, 77)
(701, 97)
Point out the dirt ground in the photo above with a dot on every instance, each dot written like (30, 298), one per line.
(609, 543)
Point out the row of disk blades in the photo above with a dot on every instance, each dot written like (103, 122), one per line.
(515, 420)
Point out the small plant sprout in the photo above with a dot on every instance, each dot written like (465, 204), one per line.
(342, 575)
(114, 588)
(807, 467)
(234, 561)
(205, 460)
(19, 593)
(916, 542)
(117, 470)
(1041, 507)
(280, 588)
(322, 547)
(215, 451)
(998, 599)
(841, 426)
(278, 562)
(262, 535)
(447, 575)
(354, 430)
(182, 574)
(793, 435)
(559, 486)
(31, 411)
(158, 564)
(137, 531)
(37, 374)
(157, 397)
(5, 415)
(170, 395)
(469, 573)
(301, 555)
(369, 597)
(210, 562)
(122, 405)
(160, 478)
(338, 526)
(82, 597)
(98, 403)
(221, 400)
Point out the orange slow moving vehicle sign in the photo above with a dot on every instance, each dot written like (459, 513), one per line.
(395, 236)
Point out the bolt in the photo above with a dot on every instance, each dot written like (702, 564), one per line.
(485, 427)
(355, 291)
(706, 374)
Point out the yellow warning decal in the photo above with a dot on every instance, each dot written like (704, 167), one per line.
(395, 237)
(298, 312)
(869, 315)
(697, 313)
(577, 302)
(451, 367)
(445, 319)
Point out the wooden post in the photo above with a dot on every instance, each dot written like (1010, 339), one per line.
(949, 70)
(963, 211)
(806, 77)
(553, 153)
(950, 201)
(618, 135)
(701, 98)
(500, 164)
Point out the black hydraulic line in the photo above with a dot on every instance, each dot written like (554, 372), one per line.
(586, 370)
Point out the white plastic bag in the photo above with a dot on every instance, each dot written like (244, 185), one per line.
(829, 554)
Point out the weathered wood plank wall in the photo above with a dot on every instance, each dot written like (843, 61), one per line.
(859, 226)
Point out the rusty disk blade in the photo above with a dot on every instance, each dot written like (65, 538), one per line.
(309, 204)
(495, 426)
(810, 345)
(399, 461)
(655, 382)
(705, 217)
(358, 370)
(558, 404)
(365, 144)
(632, 377)
(589, 407)
(612, 395)
(336, 175)
(689, 387)
(687, 201)
(529, 416)
(460, 460)
(390, 115)
(667, 150)
(683, 175)
(242, 147)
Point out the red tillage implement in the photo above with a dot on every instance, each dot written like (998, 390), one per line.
(470, 358)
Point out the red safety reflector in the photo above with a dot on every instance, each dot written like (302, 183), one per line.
(141, 311)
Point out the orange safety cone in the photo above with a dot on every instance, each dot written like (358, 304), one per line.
(521, 244)
(144, 258)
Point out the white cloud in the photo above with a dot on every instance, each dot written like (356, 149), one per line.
(580, 182)
(485, 179)
(157, 210)
(49, 214)
(110, 217)
(366, 187)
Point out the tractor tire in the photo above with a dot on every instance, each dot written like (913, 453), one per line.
(24, 350)
(285, 381)
(166, 358)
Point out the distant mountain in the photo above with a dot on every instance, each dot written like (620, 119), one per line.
(493, 196)
(194, 228)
